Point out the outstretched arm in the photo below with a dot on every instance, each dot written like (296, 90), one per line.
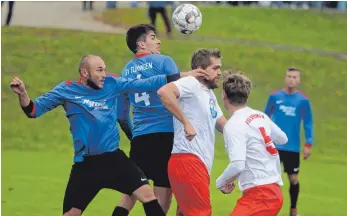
(42, 104)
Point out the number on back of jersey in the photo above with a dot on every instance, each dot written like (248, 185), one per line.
(144, 97)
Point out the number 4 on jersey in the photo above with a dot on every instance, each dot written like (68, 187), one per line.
(144, 96)
(270, 147)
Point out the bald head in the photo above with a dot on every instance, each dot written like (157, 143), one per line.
(88, 61)
(92, 69)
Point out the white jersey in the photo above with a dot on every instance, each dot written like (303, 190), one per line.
(248, 135)
(200, 106)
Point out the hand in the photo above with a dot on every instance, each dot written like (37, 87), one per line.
(228, 188)
(18, 86)
(200, 73)
(190, 131)
(307, 152)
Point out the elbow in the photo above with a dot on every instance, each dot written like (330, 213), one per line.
(30, 116)
(283, 140)
(240, 166)
(161, 92)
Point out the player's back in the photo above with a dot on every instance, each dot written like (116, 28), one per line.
(262, 164)
(150, 116)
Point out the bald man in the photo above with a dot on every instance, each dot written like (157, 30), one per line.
(90, 105)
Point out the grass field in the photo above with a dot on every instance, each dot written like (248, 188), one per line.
(37, 154)
(285, 26)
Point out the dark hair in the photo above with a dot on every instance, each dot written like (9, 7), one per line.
(237, 87)
(293, 69)
(202, 58)
(136, 33)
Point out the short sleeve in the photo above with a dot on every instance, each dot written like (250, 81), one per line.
(187, 86)
(219, 111)
(170, 66)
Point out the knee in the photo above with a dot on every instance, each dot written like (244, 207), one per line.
(127, 202)
(145, 194)
(73, 212)
(293, 179)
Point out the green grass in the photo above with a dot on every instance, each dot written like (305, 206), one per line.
(37, 154)
(309, 29)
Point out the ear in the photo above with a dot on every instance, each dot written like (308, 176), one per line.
(141, 44)
(84, 73)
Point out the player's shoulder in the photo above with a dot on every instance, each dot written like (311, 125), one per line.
(302, 95)
(238, 120)
(160, 56)
(248, 116)
(65, 85)
(69, 83)
(111, 77)
(234, 125)
(126, 68)
(188, 80)
(276, 92)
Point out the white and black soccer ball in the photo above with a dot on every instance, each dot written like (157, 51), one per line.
(187, 18)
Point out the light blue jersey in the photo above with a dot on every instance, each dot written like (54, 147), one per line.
(149, 114)
(287, 111)
(92, 113)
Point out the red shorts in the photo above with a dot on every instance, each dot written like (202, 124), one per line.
(262, 200)
(190, 182)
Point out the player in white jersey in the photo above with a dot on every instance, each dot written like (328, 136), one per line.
(254, 160)
(197, 115)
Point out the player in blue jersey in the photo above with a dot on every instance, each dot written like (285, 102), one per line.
(151, 132)
(287, 107)
(90, 105)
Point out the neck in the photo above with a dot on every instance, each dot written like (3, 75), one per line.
(141, 53)
(204, 82)
(89, 84)
(234, 108)
(84, 82)
(290, 90)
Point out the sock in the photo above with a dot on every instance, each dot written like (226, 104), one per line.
(294, 193)
(153, 208)
(120, 211)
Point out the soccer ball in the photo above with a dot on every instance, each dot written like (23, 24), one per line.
(187, 18)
